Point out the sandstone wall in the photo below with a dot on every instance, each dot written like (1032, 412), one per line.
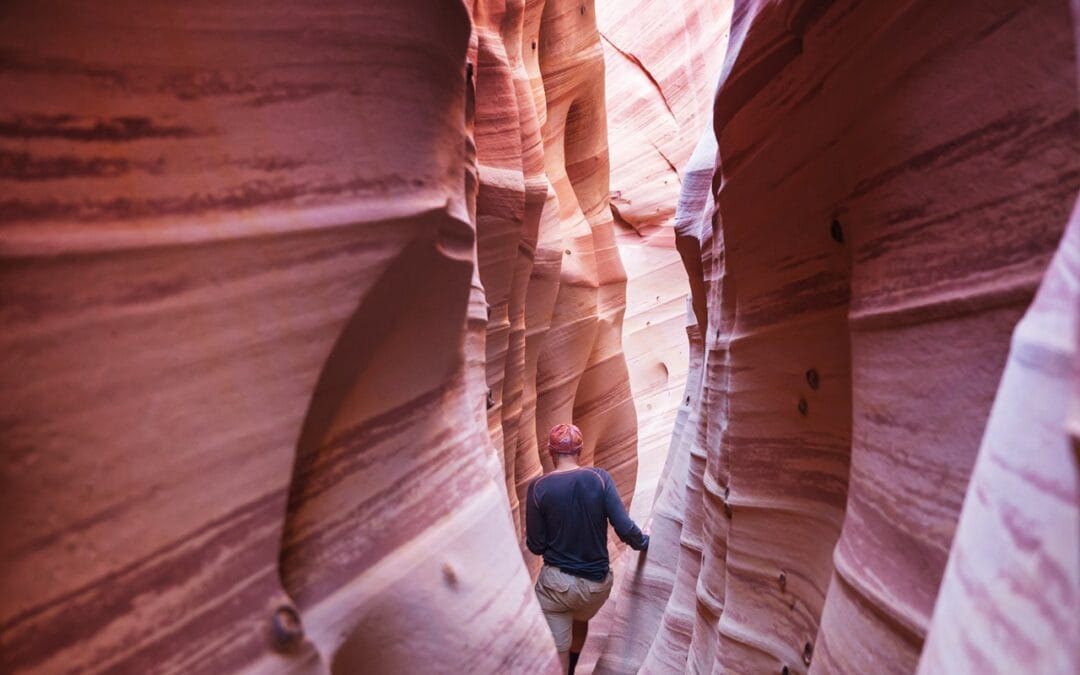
(288, 295)
(886, 186)
(661, 61)
(243, 341)
(550, 270)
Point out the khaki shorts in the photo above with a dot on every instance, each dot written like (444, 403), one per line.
(566, 598)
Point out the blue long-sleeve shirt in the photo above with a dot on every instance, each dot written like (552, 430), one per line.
(566, 516)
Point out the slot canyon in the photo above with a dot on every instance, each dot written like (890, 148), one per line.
(291, 293)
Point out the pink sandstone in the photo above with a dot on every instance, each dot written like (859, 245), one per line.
(212, 214)
(872, 245)
(288, 295)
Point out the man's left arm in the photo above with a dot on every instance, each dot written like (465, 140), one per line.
(627, 530)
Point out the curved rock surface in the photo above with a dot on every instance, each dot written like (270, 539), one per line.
(253, 380)
(661, 60)
(1014, 567)
(553, 280)
(217, 405)
(872, 244)
(288, 295)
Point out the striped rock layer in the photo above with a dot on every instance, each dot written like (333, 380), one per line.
(661, 60)
(288, 296)
(548, 266)
(853, 485)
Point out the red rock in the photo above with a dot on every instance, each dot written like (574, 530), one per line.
(237, 255)
(891, 182)
(1014, 572)
(288, 296)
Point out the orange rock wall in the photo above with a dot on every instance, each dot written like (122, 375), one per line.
(661, 61)
(289, 297)
(882, 192)
(551, 274)
(1014, 565)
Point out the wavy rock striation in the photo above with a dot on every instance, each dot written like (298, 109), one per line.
(864, 226)
(551, 274)
(660, 61)
(288, 295)
(243, 368)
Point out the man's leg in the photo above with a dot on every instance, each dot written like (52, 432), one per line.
(593, 594)
(562, 631)
(577, 641)
(577, 638)
(561, 627)
(552, 598)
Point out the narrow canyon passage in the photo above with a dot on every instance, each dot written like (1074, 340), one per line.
(290, 295)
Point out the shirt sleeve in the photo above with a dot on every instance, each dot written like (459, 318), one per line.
(620, 521)
(535, 530)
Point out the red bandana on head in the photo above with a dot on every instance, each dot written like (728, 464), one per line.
(565, 439)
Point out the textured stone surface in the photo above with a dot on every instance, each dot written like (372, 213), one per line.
(581, 371)
(661, 61)
(242, 349)
(1014, 568)
(284, 344)
(890, 181)
(553, 279)
(287, 293)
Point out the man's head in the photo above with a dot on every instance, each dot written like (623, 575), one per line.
(564, 439)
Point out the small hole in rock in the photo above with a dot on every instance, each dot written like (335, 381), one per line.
(837, 231)
(449, 574)
(286, 628)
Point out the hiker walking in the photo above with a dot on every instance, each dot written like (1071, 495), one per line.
(566, 518)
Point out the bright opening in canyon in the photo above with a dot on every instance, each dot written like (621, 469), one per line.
(291, 295)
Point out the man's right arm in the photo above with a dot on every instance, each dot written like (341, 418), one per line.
(620, 521)
(535, 531)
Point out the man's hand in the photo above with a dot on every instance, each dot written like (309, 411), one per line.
(643, 546)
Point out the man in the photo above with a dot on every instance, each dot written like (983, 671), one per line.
(566, 517)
